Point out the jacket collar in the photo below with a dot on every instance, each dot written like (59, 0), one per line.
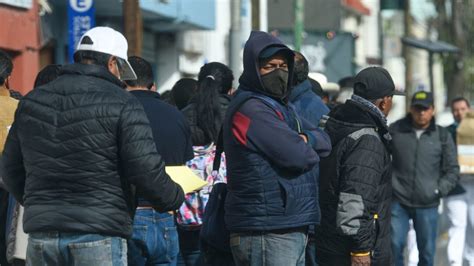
(299, 90)
(406, 124)
(91, 70)
(247, 89)
(146, 93)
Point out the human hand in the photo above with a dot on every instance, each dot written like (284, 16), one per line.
(360, 260)
(304, 137)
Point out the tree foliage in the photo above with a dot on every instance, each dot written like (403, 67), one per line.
(455, 24)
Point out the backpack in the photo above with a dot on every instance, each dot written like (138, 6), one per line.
(443, 138)
(215, 238)
(190, 214)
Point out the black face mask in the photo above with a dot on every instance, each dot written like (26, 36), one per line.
(275, 83)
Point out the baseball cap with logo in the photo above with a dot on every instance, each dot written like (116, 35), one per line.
(423, 99)
(374, 83)
(108, 41)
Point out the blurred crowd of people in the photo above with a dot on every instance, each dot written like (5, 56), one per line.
(296, 173)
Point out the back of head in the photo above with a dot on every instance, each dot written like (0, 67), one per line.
(219, 73)
(6, 67)
(301, 68)
(213, 79)
(346, 82)
(144, 73)
(47, 74)
(98, 45)
(374, 83)
(316, 87)
(183, 91)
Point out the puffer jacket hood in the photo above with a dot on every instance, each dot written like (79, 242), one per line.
(350, 117)
(257, 42)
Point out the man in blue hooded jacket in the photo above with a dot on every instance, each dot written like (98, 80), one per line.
(310, 107)
(270, 152)
(307, 103)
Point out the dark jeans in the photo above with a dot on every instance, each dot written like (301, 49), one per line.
(189, 248)
(75, 249)
(154, 240)
(425, 221)
(3, 225)
(263, 248)
(311, 251)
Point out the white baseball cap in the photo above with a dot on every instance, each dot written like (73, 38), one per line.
(109, 41)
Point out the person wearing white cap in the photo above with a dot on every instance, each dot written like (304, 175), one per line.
(78, 150)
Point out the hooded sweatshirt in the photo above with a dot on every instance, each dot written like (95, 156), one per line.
(270, 185)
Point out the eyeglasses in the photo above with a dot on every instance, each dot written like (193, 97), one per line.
(270, 67)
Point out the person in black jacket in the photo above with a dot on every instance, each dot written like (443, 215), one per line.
(355, 179)
(78, 149)
(207, 108)
(173, 141)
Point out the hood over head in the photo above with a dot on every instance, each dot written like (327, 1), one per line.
(258, 42)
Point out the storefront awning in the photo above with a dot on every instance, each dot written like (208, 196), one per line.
(357, 6)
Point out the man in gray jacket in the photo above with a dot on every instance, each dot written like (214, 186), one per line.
(425, 169)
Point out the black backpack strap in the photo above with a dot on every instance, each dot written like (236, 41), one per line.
(219, 149)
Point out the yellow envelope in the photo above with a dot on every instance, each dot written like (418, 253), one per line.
(186, 178)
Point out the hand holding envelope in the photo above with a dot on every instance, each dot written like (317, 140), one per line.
(186, 178)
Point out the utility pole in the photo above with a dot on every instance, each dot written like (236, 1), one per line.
(133, 26)
(255, 14)
(263, 15)
(406, 54)
(235, 37)
(458, 83)
(299, 23)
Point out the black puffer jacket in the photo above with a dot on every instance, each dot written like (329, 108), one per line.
(355, 188)
(198, 135)
(75, 144)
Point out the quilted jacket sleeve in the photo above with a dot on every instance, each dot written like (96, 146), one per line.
(362, 168)
(142, 164)
(14, 170)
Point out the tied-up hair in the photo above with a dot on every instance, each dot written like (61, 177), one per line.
(6, 66)
(213, 79)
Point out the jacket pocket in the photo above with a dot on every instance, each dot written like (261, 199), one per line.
(288, 197)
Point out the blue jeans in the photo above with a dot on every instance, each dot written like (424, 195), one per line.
(54, 248)
(265, 248)
(154, 240)
(425, 221)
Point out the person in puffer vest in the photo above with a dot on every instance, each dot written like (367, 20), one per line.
(270, 153)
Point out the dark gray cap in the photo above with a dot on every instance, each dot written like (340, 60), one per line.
(374, 83)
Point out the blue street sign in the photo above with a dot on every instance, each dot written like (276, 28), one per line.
(81, 18)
